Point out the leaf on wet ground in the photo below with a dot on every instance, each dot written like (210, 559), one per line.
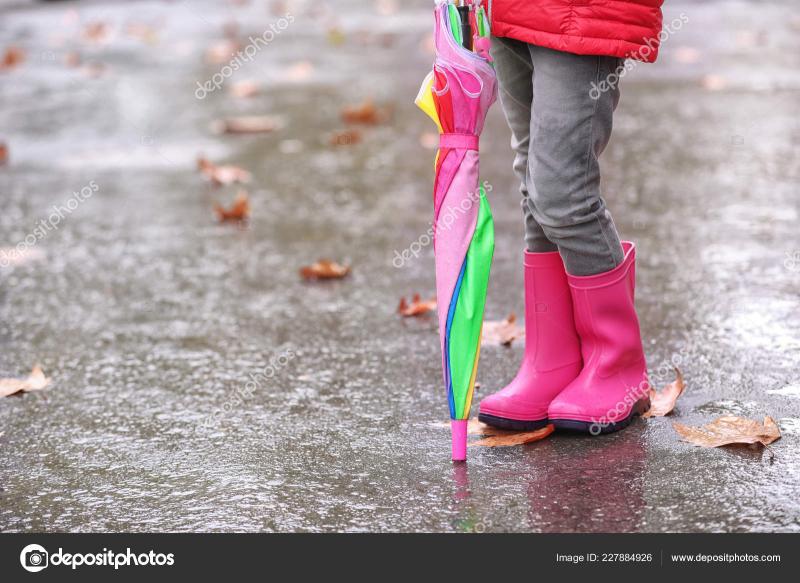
(3, 154)
(300, 71)
(493, 437)
(12, 57)
(345, 138)
(365, 113)
(416, 307)
(510, 438)
(222, 51)
(324, 269)
(501, 333)
(96, 32)
(246, 124)
(244, 89)
(36, 381)
(220, 175)
(663, 402)
(730, 430)
(238, 211)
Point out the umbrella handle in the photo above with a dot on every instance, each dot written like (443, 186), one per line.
(458, 431)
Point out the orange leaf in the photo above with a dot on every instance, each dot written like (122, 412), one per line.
(239, 210)
(509, 438)
(243, 89)
(246, 124)
(502, 333)
(36, 381)
(730, 430)
(366, 113)
(96, 31)
(222, 51)
(324, 269)
(221, 174)
(12, 57)
(345, 138)
(663, 402)
(417, 307)
(3, 153)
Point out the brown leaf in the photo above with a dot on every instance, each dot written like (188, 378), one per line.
(417, 307)
(3, 154)
(238, 211)
(300, 71)
(345, 138)
(36, 381)
(509, 438)
(244, 89)
(220, 175)
(730, 430)
(72, 59)
(246, 124)
(222, 51)
(96, 31)
(500, 333)
(364, 113)
(663, 402)
(12, 57)
(324, 269)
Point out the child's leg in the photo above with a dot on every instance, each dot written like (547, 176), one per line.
(512, 61)
(570, 129)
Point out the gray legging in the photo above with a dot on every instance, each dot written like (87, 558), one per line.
(559, 127)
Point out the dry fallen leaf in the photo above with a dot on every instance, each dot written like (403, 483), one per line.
(324, 269)
(417, 307)
(246, 124)
(345, 138)
(714, 82)
(502, 333)
(36, 381)
(730, 430)
(663, 402)
(72, 59)
(3, 153)
(244, 89)
(222, 51)
(238, 211)
(509, 438)
(220, 175)
(336, 36)
(299, 71)
(96, 31)
(12, 57)
(366, 113)
(493, 437)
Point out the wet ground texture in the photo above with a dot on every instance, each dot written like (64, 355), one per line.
(151, 317)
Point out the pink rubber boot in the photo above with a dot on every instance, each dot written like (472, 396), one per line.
(552, 350)
(612, 388)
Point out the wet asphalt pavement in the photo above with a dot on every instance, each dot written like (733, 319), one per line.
(151, 317)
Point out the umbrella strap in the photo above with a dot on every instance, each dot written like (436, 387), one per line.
(460, 141)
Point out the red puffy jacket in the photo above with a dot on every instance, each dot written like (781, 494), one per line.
(616, 28)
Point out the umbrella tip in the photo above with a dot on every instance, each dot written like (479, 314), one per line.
(458, 431)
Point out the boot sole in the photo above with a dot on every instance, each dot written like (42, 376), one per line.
(512, 424)
(641, 407)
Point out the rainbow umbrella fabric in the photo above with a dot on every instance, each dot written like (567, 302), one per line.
(457, 95)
